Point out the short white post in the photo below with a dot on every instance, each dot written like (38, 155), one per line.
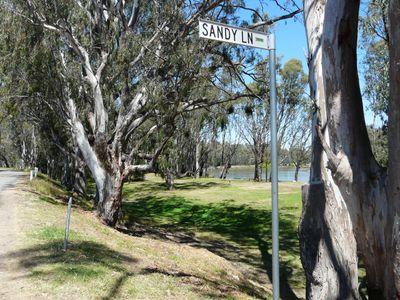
(36, 171)
(67, 223)
(31, 177)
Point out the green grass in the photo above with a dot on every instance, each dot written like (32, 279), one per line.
(102, 263)
(229, 218)
(53, 192)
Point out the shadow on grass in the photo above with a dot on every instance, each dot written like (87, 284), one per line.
(84, 261)
(245, 231)
(87, 261)
(148, 186)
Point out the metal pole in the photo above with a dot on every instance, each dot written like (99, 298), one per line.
(274, 175)
(67, 223)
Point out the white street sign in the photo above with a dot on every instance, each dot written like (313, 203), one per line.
(235, 35)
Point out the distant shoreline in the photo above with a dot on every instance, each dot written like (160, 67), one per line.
(252, 166)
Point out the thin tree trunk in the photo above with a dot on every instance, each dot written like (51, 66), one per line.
(296, 172)
(169, 179)
(225, 170)
(256, 169)
(79, 185)
(197, 159)
(67, 179)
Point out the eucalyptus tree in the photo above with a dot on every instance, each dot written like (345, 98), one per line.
(255, 130)
(351, 206)
(291, 89)
(30, 94)
(291, 102)
(230, 142)
(375, 41)
(119, 84)
(299, 141)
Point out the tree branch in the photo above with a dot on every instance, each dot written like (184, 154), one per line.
(272, 21)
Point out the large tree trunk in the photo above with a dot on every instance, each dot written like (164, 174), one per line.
(109, 177)
(344, 206)
(110, 198)
(393, 224)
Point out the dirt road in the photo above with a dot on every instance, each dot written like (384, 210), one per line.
(8, 233)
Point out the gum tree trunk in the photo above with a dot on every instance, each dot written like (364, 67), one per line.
(79, 186)
(345, 206)
(108, 177)
(110, 198)
(393, 225)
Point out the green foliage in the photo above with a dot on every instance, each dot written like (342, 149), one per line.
(379, 142)
(376, 76)
(375, 41)
(293, 82)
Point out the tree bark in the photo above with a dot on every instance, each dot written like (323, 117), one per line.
(393, 228)
(79, 185)
(296, 172)
(109, 181)
(67, 178)
(169, 179)
(110, 198)
(197, 154)
(256, 168)
(225, 170)
(344, 206)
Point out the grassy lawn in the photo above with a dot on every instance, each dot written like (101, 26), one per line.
(229, 218)
(207, 239)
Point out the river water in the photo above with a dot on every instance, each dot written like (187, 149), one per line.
(247, 173)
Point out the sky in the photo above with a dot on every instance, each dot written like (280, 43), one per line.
(289, 34)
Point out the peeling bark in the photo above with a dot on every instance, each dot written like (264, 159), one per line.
(393, 227)
(345, 207)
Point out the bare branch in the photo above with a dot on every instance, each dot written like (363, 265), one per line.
(272, 21)
(135, 12)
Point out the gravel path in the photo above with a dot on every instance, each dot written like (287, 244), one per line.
(8, 233)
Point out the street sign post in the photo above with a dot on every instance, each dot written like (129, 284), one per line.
(243, 36)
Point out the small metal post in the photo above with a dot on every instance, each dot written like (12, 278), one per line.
(274, 171)
(67, 223)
